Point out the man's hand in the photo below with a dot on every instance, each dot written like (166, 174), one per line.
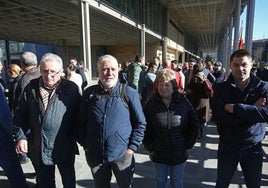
(129, 151)
(260, 102)
(229, 108)
(22, 146)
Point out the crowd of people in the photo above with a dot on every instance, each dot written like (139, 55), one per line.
(49, 109)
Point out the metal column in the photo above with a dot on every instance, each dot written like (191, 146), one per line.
(183, 57)
(142, 47)
(223, 50)
(229, 46)
(164, 49)
(85, 36)
(237, 24)
(142, 32)
(165, 32)
(65, 52)
(249, 25)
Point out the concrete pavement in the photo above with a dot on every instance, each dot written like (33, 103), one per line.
(200, 169)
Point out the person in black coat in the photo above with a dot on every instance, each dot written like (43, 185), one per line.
(218, 73)
(48, 109)
(240, 111)
(172, 128)
(262, 72)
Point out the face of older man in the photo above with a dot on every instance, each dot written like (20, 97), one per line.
(50, 72)
(108, 74)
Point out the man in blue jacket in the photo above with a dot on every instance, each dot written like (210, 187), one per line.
(241, 113)
(8, 157)
(112, 126)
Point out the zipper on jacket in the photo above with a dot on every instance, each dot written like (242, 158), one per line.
(103, 126)
(168, 120)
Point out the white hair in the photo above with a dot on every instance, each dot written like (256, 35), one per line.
(52, 57)
(104, 58)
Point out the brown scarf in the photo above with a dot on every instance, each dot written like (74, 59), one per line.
(46, 94)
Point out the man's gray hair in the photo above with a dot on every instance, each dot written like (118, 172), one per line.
(28, 59)
(52, 57)
(109, 58)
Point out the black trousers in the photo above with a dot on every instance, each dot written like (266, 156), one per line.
(122, 168)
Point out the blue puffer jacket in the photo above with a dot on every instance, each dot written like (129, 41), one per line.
(246, 126)
(53, 136)
(109, 126)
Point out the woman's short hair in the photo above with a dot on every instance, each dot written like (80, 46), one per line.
(166, 75)
(14, 68)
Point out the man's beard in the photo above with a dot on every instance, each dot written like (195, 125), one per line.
(108, 83)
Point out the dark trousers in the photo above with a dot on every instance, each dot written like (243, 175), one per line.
(10, 163)
(201, 115)
(46, 175)
(122, 168)
(250, 160)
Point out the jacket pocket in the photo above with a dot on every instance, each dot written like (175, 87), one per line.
(115, 146)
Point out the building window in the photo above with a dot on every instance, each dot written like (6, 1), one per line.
(16, 47)
(130, 7)
(154, 14)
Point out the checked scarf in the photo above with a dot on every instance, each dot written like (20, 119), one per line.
(46, 94)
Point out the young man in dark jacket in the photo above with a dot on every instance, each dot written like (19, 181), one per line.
(241, 113)
(112, 126)
(48, 109)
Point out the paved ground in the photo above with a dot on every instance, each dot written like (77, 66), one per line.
(200, 168)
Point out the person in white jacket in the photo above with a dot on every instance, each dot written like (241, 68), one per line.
(74, 77)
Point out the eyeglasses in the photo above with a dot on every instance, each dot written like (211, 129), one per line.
(51, 73)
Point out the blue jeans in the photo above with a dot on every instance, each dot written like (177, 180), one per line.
(46, 175)
(250, 160)
(122, 168)
(175, 172)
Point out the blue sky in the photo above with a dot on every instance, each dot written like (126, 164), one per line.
(260, 27)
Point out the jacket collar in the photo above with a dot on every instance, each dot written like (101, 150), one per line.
(112, 91)
(253, 81)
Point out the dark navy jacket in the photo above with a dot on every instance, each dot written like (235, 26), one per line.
(109, 126)
(246, 126)
(52, 135)
(6, 126)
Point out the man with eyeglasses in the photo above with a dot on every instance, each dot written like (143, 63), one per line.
(48, 108)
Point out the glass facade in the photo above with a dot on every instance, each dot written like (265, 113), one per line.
(16, 47)
(154, 14)
(153, 11)
(131, 8)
